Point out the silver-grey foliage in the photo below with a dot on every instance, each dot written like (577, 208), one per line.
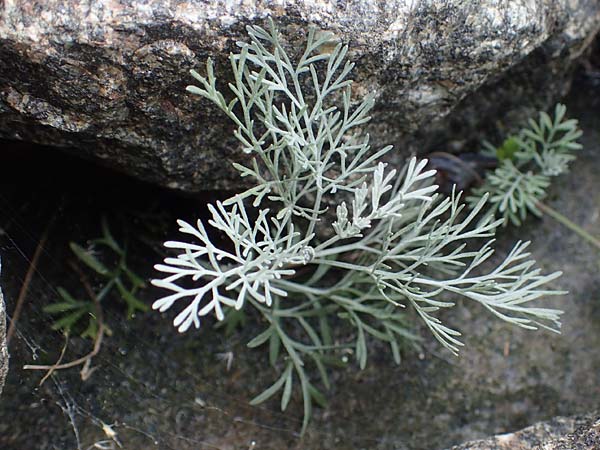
(527, 161)
(393, 243)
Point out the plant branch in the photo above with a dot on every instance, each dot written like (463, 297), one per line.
(569, 224)
(85, 360)
(27, 282)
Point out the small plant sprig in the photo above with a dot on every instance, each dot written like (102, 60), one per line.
(322, 284)
(115, 274)
(73, 312)
(527, 162)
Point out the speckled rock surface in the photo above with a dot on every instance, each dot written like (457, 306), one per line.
(3, 347)
(107, 78)
(560, 433)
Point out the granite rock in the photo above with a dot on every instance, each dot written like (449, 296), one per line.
(560, 433)
(107, 79)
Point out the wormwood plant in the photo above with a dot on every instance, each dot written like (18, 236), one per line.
(392, 242)
(527, 163)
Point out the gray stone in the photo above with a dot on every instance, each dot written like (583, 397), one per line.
(560, 433)
(3, 346)
(107, 79)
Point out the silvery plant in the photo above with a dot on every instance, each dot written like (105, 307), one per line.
(331, 248)
(526, 163)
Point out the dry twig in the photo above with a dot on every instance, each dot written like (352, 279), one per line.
(85, 360)
(27, 282)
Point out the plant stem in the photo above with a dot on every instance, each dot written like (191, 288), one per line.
(26, 283)
(569, 224)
